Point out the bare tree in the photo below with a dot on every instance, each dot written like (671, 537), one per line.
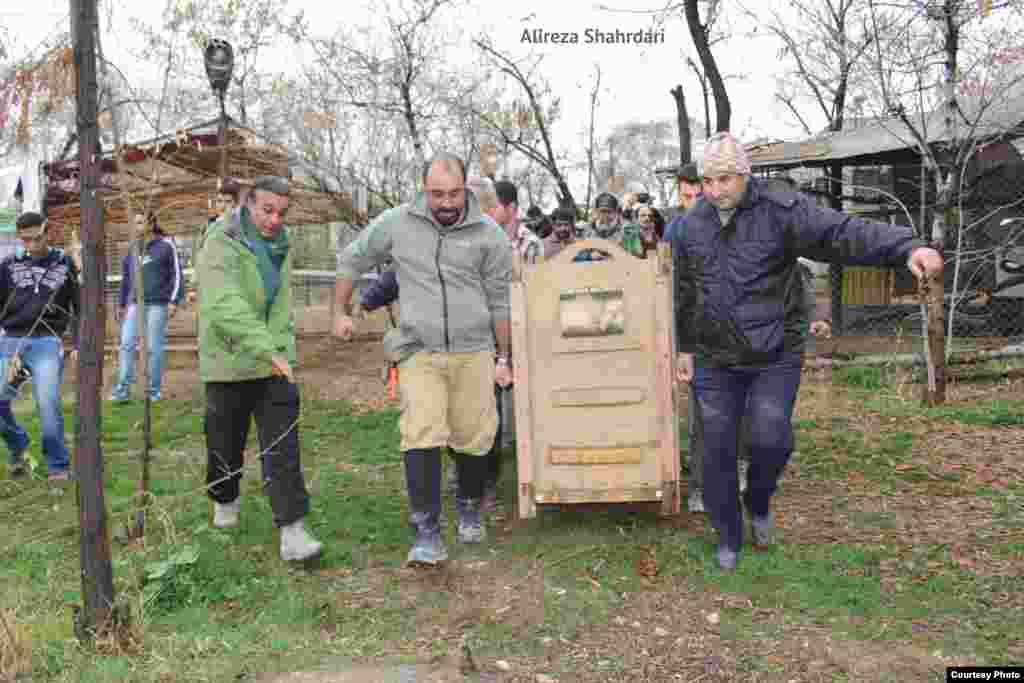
(36, 108)
(594, 92)
(641, 147)
(251, 26)
(533, 183)
(824, 41)
(364, 84)
(927, 73)
(683, 126)
(400, 73)
(533, 141)
(937, 76)
(700, 32)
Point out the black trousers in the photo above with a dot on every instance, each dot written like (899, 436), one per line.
(274, 403)
(494, 455)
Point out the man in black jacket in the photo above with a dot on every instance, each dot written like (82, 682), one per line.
(738, 307)
(163, 291)
(39, 296)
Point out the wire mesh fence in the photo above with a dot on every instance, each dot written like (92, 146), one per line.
(314, 254)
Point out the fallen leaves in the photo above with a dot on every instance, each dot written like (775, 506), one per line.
(646, 562)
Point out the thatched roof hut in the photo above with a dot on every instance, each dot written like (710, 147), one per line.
(176, 176)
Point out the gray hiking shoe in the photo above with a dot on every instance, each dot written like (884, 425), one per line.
(695, 501)
(762, 531)
(225, 515)
(727, 558)
(428, 549)
(297, 545)
(471, 528)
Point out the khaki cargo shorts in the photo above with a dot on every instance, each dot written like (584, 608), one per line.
(448, 400)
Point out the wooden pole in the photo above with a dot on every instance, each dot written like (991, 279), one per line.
(94, 543)
(934, 390)
(138, 282)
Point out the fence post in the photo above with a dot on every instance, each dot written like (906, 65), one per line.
(933, 391)
(94, 542)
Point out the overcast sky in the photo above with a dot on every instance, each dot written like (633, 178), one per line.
(637, 77)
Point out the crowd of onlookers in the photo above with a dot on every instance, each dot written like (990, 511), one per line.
(743, 308)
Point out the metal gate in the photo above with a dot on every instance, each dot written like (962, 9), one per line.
(593, 348)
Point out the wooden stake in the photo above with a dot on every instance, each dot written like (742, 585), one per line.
(933, 316)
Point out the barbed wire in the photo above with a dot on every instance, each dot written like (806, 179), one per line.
(168, 501)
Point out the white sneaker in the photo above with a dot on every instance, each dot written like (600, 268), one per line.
(297, 544)
(225, 515)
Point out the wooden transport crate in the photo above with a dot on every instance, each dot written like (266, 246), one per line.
(593, 356)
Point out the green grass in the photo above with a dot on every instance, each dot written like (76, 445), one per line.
(236, 605)
(992, 412)
(839, 453)
(870, 378)
(213, 605)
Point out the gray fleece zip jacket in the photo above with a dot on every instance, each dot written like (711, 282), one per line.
(454, 281)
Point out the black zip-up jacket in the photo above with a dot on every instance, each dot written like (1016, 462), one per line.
(27, 284)
(161, 274)
(739, 288)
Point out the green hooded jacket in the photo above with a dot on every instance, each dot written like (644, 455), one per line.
(238, 334)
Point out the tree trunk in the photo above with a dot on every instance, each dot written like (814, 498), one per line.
(590, 142)
(835, 270)
(683, 122)
(96, 618)
(410, 119)
(934, 390)
(699, 34)
(933, 291)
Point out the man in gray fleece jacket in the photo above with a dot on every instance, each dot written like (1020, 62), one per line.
(453, 265)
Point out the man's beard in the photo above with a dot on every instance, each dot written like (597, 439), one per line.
(606, 229)
(447, 217)
(563, 235)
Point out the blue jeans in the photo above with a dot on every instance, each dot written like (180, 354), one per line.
(44, 357)
(768, 392)
(156, 340)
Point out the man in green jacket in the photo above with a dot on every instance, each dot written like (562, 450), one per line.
(453, 265)
(246, 354)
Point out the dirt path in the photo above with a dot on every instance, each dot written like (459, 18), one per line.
(671, 630)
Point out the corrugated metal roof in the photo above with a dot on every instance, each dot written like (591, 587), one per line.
(1004, 116)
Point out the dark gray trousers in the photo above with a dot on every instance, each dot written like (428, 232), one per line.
(695, 427)
(274, 403)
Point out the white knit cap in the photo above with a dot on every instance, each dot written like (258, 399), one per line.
(724, 155)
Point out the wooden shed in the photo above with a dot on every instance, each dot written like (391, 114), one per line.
(176, 176)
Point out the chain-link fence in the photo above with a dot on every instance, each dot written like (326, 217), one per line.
(877, 310)
(983, 248)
